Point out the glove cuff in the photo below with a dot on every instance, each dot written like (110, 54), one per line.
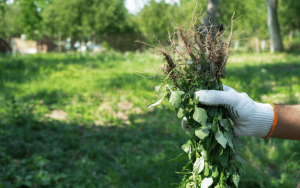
(262, 120)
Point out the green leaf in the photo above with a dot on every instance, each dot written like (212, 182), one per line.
(209, 124)
(229, 136)
(198, 178)
(226, 174)
(206, 182)
(206, 169)
(192, 92)
(225, 124)
(237, 151)
(223, 159)
(180, 157)
(240, 167)
(231, 122)
(219, 151)
(214, 127)
(212, 110)
(221, 139)
(188, 166)
(217, 186)
(202, 132)
(236, 179)
(219, 116)
(157, 89)
(158, 102)
(183, 173)
(204, 154)
(179, 112)
(175, 98)
(200, 116)
(213, 146)
(238, 142)
(215, 172)
(186, 147)
(198, 165)
(240, 159)
(192, 155)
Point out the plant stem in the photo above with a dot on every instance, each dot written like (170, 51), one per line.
(221, 178)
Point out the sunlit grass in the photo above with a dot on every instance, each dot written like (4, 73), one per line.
(82, 121)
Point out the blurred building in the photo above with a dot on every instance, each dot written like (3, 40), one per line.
(46, 45)
(24, 46)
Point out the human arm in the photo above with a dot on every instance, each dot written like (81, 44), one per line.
(252, 118)
(288, 124)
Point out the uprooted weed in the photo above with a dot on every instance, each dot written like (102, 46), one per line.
(196, 61)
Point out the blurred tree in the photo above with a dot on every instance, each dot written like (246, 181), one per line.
(29, 17)
(273, 25)
(155, 19)
(10, 21)
(253, 20)
(111, 17)
(211, 18)
(253, 15)
(289, 15)
(289, 19)
(80, 18)
(188, 6)
(3, 7)
(209, 9)
(65, 18)
(14, 26)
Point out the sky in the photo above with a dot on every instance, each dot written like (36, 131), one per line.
(134, 6)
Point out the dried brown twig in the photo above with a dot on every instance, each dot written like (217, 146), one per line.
(201, 46)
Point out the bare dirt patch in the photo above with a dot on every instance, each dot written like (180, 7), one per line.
(57, 114)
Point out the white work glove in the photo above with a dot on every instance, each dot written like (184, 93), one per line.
(250, 118)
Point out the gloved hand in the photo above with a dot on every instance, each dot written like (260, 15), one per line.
(251, 118)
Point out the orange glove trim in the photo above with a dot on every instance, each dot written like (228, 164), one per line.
(274, 122)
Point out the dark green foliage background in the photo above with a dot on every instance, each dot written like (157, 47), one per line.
(131, 150)
(83, 19)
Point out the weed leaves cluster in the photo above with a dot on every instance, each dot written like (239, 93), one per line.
(212, 149)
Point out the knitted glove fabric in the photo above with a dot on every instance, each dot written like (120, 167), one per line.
(251, 118)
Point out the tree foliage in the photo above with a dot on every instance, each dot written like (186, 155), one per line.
(81, 18)
(289, 15)
(3, 8)
(154, 19)
(72, 18)
(78, 18)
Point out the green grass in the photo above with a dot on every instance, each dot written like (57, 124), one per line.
(104, 135)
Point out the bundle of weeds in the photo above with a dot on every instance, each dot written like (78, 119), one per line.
(212, 149)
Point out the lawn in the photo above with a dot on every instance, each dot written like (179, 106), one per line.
(68, 120)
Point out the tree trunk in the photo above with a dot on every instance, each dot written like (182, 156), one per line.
(273, 25)
(290, 40)
(211, 17)
(73, 40)
(94, 37)
(257, 40)
(59, 42)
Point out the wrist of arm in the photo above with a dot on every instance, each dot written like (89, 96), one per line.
(288, 125)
